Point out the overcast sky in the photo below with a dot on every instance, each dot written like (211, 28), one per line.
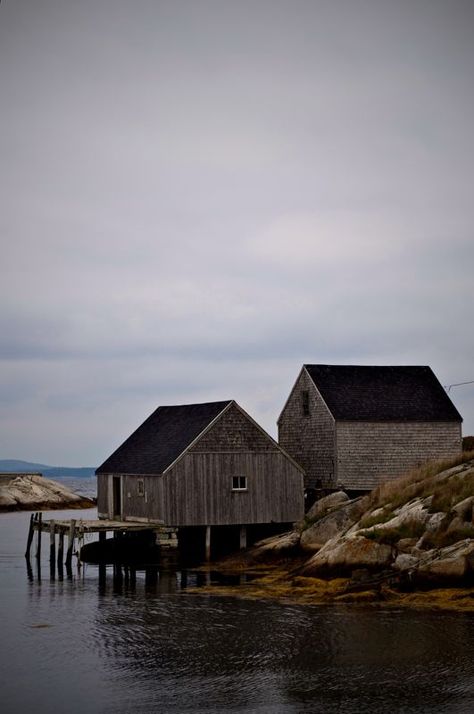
(198, 196)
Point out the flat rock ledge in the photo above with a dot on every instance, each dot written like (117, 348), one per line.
(29, 492)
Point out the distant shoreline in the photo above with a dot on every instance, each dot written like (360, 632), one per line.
(32, 491)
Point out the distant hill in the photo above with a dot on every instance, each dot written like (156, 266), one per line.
(17, 466)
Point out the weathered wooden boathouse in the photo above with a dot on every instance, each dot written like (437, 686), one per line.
(199, 467)
(354, 427)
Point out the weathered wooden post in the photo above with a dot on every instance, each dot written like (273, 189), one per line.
(70, 543)
(207, 549)
(38, 540)
(52, 550)
(61, 548)
(80, 543)
(52, 542)
(31, 532)
(243, 537)
(29, 570)
(102, 539)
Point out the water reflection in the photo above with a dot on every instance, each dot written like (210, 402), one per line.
(33, 572)
(138, 640)
(163, 648)
(269, 657)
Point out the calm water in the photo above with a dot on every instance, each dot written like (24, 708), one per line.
(77, 646)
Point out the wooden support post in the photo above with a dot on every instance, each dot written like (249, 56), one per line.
(38, 540)
(29, 570)
(208, 543)
(80, 543)
(31, 532)
(243, 537)
(52, 550)
(151, 576)
(61, 548)
(52, 542)
(70, 543)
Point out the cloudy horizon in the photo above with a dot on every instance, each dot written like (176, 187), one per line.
(199, 197)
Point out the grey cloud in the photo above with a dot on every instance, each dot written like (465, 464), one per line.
(199, 197)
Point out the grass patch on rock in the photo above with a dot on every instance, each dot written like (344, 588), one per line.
(385, 515)
(447, 537)
(447, 495)
(418, 483)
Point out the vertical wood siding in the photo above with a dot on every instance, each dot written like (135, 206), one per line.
(102, 495)
(197, 490)
(310, 438)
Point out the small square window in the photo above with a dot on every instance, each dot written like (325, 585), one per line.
(239, 483)
(141, 487)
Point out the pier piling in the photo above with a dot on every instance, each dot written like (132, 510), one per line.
(70, 543)
(38, 540)
(31, 533)
(52, 542)
(61, 549)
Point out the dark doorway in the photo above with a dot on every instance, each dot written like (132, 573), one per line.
(117, 496)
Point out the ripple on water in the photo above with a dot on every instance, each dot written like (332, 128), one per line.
(141, 650)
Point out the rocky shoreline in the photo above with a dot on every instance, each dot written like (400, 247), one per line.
(29, 492)
(410, 541)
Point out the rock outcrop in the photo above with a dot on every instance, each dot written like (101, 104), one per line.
(341, 556)
(332, 518)
(28, 492)
(419, 529)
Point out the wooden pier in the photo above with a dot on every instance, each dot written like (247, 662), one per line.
(78, 528)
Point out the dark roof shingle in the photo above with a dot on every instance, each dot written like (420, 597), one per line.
(360, 393)
(161, 438)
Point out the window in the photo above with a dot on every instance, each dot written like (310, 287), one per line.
(141, 487)
(239, 483)
(305, 402)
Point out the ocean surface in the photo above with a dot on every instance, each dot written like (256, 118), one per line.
(90, 644)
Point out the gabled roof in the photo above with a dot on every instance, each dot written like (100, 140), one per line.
(162, 438)
(355, 393)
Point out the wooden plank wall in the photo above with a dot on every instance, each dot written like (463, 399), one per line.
(102, 495)
(198, 490)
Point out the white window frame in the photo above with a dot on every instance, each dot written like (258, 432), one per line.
(241, 481)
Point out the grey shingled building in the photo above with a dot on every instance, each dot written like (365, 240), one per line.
(356, 426)
(200, 465)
